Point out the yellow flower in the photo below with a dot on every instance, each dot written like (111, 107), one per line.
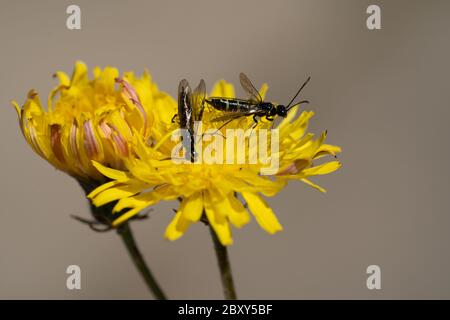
(90, 120)
(220, 193)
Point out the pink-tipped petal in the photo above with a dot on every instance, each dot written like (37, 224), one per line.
(132, 95)
(90, 141)
(55, 142)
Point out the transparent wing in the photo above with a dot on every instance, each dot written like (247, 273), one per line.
(183, 87)
(198, 100)
(184, 92)
(250, 88)
(184, 103)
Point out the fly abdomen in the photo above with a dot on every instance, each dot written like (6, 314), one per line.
(229, 105)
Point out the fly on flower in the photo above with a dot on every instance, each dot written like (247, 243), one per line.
(190, 110)
(254, 106)
(215, 190)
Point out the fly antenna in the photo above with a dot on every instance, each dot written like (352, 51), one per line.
(298, 103)
(298, 92)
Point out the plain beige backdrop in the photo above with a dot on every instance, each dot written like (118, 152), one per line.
(383, 96)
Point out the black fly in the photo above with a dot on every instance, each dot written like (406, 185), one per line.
(254, 106)
(190, 109)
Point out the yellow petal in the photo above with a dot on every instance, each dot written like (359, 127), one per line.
(223, 89)
(228, 207)
(236, 212)
(118, 192)
(79, 72)
(322, 169)
(312, 184)
(18, 109)
(63, 78)
(110, 173)
(326, 149)
(261, 184)
(262, 212)
(178, 225)
(126, 216)
(222, 230)
(263, 90)
(218, 206)
(140, 200)
(120, 125)
(297, 128)
(101, 188)
(194, 207)
(145, 201)
(290, 116)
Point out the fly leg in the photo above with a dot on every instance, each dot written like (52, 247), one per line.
(255, 119)
(218, 129)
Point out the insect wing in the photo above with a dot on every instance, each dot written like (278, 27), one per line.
(185, 118)
(184, 104)
(198, 101)
(250, 88)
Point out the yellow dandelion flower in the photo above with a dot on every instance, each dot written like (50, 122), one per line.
(220, 193)
(95, 119)
(91, 119)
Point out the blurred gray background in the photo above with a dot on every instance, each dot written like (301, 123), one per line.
(383, 96)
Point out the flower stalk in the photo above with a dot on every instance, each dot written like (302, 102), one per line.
(128, 239)
(104, 216)
(225, 267)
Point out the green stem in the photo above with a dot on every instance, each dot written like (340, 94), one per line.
(225, 267)
(104, 216)
(127, 236)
